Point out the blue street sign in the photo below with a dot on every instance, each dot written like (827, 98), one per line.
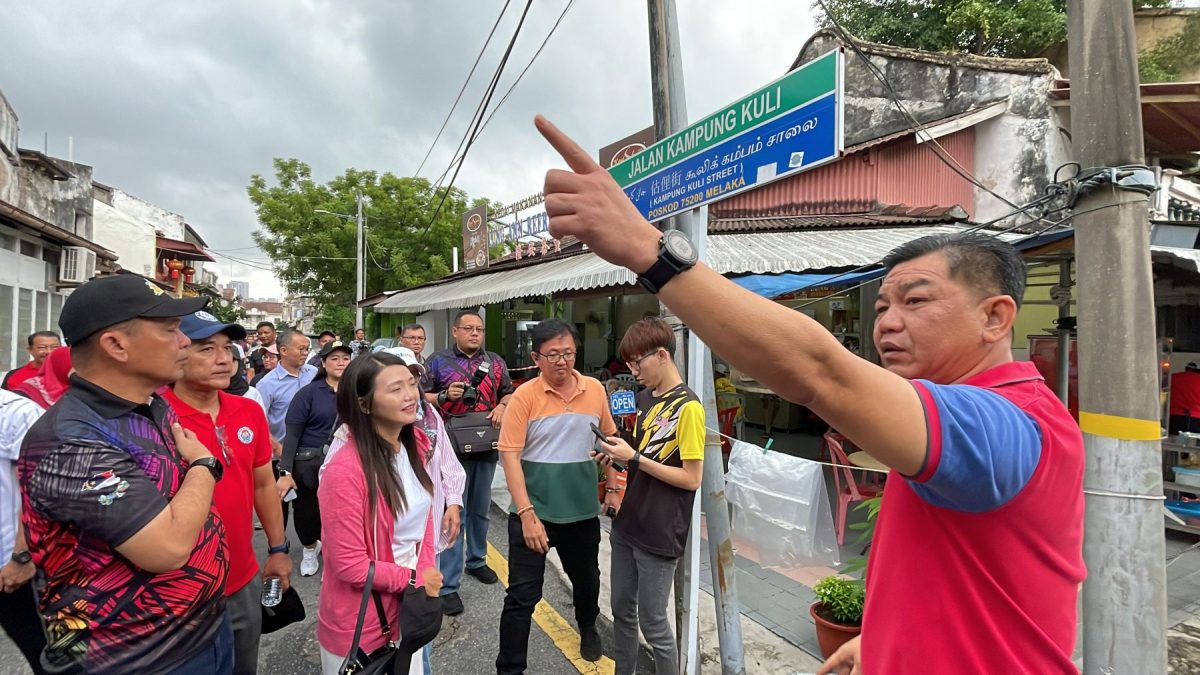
(622, 402)
(791, 125)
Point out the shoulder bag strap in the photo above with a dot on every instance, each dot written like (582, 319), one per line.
(362, 615)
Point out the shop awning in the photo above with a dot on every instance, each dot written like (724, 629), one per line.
(774, 285)
(184, 250)
(778, 252)
(742, 253)
(581, 272)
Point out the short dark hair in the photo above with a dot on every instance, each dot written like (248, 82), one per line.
(414, 326)
(466, 312)
(265, 323)
(548, 329)
(43, 333)
(646, 336)
(983, 262)
(327, 332)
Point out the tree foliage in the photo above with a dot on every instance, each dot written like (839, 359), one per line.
(313, 253)
(1171, 56)
(225, 311)
(1006, 28)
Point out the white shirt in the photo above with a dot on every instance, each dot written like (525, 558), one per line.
(17, 414)
(410, 523)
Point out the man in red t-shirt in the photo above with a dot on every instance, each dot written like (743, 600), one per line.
(1185, 399)
(234, 429)
(40, 346)
(978, 552)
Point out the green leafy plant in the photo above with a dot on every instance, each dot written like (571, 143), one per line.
(841, 599)
(866, 532)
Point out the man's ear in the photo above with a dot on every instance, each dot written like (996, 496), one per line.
(1000, 312)
(115, 345)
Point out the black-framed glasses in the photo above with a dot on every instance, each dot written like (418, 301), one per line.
(470, 329)
(636, 364)
(564, 357)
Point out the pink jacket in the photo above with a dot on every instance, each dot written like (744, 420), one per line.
(348, 546)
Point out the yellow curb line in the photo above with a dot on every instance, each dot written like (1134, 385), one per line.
(554, 625)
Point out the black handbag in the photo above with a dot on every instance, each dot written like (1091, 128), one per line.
(472, 433)
(382, 661)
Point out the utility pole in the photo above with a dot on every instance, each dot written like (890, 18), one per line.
(670, 116)
(1124, 597)
(360, 287)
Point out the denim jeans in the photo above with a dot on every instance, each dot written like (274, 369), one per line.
(216, 658)
(641, 585)
(477, 500)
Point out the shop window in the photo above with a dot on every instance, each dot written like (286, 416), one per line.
(6, 327)
(42, 317)
(24, 313)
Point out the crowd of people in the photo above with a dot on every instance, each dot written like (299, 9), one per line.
(141, 464)
(136, 470)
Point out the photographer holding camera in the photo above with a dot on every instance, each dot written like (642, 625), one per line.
(471, 388)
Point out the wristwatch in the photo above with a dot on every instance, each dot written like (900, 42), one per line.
(285, 547)
(212, 464)
(22, 557)
(284, 472)
(676, 254)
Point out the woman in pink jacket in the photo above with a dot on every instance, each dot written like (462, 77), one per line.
(380, 498)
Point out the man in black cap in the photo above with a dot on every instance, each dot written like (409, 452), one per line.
(234, 429)
(118, 497)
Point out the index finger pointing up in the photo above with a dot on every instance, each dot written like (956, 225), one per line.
(577, 158)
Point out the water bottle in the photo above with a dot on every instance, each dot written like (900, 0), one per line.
(272, 592)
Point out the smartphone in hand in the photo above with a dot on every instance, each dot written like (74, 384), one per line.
(601, 440)
(289, 495)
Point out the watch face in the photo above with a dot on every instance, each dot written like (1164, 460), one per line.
(680, 247)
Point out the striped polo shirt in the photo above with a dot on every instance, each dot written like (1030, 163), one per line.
(554, 438)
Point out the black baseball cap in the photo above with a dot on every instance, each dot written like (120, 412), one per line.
(108, 301)
(329, 348)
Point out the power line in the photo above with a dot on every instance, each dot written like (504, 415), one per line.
(473, 132)
(463, 89)
(367, 245)
(553, 28)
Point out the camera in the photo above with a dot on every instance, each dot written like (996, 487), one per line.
(471, 389)
(470, 396)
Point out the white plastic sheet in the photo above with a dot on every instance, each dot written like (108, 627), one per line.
(781, 507)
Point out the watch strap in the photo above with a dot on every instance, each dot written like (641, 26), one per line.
(658, 275)
(285, 547)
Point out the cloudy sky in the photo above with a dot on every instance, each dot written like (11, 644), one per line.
(180, 103)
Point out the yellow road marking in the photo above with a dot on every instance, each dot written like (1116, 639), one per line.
(1123, 428)
(553, 624)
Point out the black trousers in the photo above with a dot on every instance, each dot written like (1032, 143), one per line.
(578, 547)
(20, 619)
(306, 506)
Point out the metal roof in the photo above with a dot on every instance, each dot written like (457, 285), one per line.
(775, 252)
(762, 252)
(882, 216)
(580, 272)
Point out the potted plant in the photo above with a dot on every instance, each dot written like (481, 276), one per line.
(837, 612)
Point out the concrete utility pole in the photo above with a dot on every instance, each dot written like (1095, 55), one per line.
(1124, 598)
(360, 287)
(670, 116)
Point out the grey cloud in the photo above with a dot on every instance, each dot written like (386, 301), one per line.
(179, 103)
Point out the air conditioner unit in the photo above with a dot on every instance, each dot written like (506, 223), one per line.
(77, 265)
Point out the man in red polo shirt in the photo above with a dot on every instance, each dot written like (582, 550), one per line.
(234, 429)
(978, 551)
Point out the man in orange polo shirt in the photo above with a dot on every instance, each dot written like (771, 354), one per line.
(545, 445)
(235, 430)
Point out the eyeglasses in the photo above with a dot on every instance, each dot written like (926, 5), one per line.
(413, 338)
(636, 364)
(470, 329)
(565, 357)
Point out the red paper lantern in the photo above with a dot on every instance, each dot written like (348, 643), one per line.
(175, 266)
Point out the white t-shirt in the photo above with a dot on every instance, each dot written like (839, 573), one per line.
(17, 414)
(410, 524)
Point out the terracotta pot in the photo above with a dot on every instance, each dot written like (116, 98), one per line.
(831, 635)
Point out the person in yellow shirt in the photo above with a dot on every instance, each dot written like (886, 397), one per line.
(652, 521)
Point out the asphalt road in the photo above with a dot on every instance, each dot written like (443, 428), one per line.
(467, 643)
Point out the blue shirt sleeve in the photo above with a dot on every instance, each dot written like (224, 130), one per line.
(983, 449)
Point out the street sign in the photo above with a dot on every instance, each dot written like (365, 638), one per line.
(622, 402)
(791, 125)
